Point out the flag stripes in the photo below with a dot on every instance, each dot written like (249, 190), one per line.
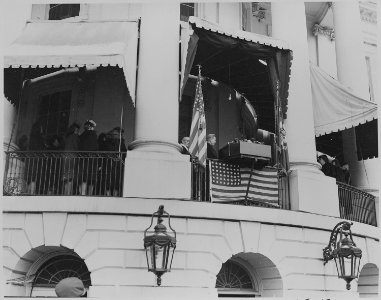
(229, 183)
(197, 136)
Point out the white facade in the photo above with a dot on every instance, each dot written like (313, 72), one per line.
(281, 249)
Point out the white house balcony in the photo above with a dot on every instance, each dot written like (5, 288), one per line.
(259, 232)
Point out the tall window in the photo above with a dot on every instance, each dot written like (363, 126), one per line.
(63, 11)
(234, 280)
(186, 10)
(54, 112)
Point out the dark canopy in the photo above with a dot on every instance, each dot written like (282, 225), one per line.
(233, 59)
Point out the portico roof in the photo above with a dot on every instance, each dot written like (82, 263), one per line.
(69, 43)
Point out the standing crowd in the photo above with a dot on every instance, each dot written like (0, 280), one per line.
(76, 164)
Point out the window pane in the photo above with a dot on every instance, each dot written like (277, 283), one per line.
(44, 106)
(65, 100)
(186, 10)
(63, 11)
(55, 102)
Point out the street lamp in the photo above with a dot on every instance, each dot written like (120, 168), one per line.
(344, 251)
(160, 246)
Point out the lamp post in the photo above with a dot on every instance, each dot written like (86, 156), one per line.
(160, 246)
(344, 251)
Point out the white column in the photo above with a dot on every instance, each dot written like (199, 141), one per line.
(352, 72)
(157, 106)
(155, 167)
(310, 190)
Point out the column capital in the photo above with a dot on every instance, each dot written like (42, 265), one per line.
(324, 30)
(306, 166)
(154, 145)
(368, 15)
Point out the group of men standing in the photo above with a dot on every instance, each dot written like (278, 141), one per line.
(211, 141)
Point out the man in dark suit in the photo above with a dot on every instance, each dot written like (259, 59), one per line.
(211, 140)
(185, 145)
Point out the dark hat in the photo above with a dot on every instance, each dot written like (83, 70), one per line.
(91, 123)
(70, 287)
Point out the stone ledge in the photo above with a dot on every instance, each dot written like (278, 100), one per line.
(178, 209)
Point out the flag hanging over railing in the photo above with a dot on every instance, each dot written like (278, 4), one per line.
(197, 136)
(229, 183)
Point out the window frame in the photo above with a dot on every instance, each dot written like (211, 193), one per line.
(237, 292)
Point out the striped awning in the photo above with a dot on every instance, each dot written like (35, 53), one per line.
(73, 43)
(240, 34)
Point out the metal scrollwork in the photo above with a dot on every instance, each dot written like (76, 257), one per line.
(328, 251)
(14, 186)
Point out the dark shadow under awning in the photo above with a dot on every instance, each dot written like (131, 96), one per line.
(233, 58)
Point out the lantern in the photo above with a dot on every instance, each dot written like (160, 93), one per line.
(344, 251)
(160, 246)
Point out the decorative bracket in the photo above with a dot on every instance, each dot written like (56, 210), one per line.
(329, 32)
(328, 251)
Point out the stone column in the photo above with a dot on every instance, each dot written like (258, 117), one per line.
(155, 167)
(352, 72)
(310, 190)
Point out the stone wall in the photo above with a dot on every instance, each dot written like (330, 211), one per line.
(111, 243)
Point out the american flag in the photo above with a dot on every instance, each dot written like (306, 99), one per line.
(197, 136)
(229, 183)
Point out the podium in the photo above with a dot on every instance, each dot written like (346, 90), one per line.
(242, 149)
(247, 154)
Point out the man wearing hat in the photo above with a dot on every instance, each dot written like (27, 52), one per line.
(88, 141)
(70, 287)
(211, 141)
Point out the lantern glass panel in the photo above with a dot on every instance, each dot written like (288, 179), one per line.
(149, 252)
(160, 257)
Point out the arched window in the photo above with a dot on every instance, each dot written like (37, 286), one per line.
(59, 267)
(234, 280)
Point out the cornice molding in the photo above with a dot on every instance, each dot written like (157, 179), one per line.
(324, 30)
(368, 15)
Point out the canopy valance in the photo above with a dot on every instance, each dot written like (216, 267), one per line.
(336, 108)
(68, 43)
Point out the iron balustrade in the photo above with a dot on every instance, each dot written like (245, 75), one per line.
(201, 188)
(63, 173)
(356, 205)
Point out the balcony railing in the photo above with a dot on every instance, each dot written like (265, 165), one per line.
(201, 189)
(356, 205)
(63, 173)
